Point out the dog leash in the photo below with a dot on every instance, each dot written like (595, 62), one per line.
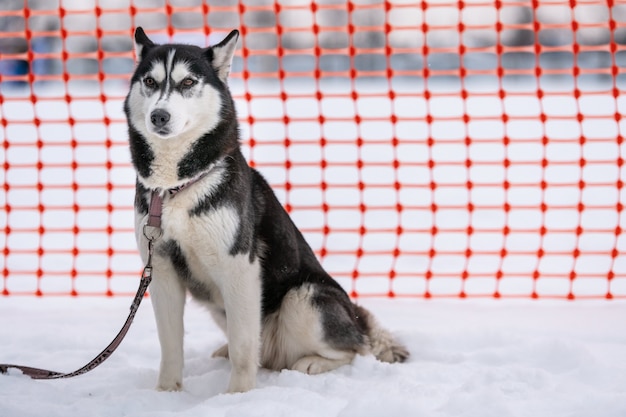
(152, 232)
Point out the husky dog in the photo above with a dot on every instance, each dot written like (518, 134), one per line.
(226, 239)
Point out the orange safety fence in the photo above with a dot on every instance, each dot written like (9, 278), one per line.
(425, 148)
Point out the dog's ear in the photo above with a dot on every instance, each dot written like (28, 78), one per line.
(221, 55)
(142, 43)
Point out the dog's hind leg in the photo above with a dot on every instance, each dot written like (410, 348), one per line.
(221, 352)
(313, 332)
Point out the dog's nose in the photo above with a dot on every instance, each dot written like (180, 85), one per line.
(159, 117)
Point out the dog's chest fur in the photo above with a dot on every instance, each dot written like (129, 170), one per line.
(199, 243)
(167, 155)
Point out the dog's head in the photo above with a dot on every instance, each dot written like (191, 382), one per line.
(178, 90)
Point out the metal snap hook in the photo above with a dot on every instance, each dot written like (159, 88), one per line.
(152, 233)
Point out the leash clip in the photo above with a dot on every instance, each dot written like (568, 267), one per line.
(152, 233)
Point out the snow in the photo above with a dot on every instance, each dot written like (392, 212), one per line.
(469, 358)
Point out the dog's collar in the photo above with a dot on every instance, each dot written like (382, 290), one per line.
(175, 190)
(155, 208)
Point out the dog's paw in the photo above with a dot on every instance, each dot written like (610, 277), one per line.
(172, 386)
(240, 386)
(311, 365)
(314, 364)
(241, 382)
(221, 352)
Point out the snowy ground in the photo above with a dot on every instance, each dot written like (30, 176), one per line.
(469, 358)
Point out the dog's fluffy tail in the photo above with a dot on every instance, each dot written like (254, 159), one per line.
(382, 344)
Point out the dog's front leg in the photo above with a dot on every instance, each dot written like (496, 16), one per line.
(168, 300)
(242, 301)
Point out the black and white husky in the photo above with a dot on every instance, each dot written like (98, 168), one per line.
(225, 237)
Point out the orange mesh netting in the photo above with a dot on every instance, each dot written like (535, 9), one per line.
(428, 149)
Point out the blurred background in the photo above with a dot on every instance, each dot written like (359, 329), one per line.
(402, 36)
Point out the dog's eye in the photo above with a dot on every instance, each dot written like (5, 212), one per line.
(149, 82)
(188, 82)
